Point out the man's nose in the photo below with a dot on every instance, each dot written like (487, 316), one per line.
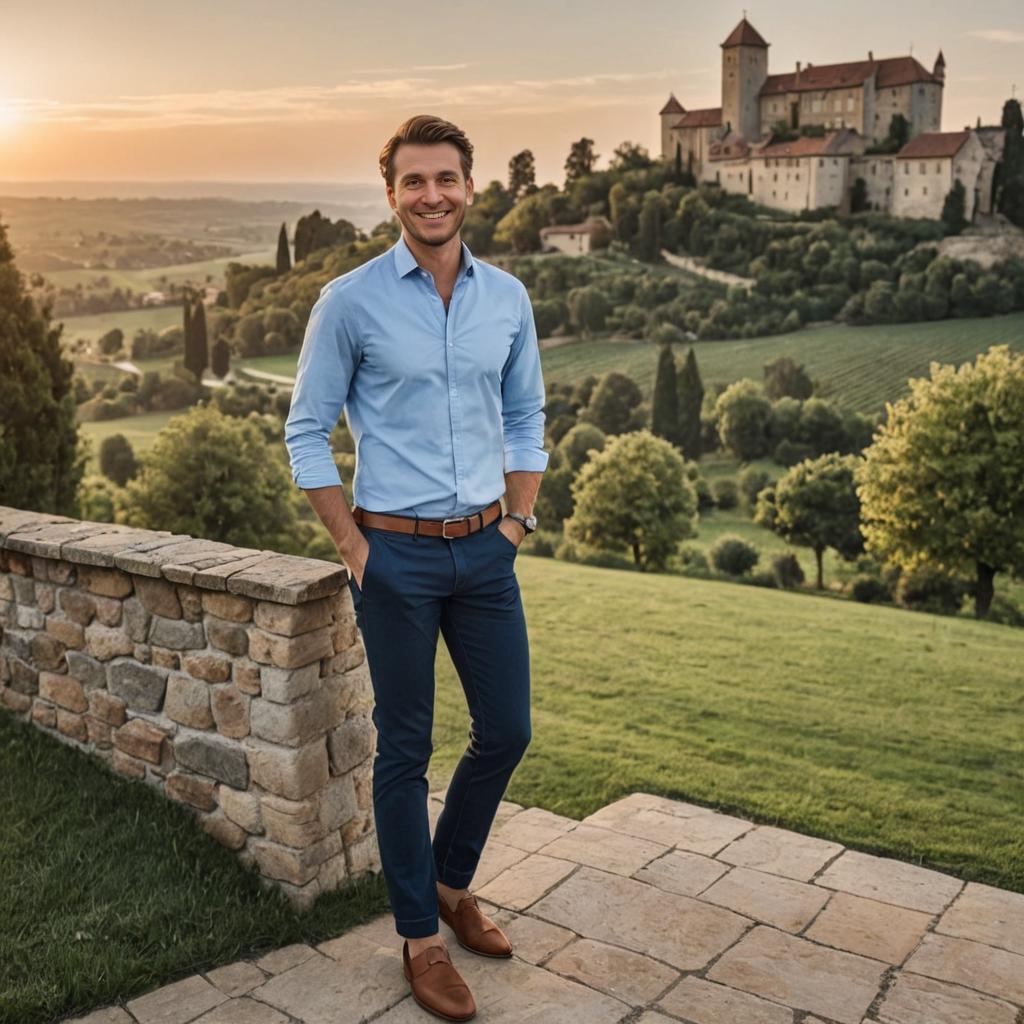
(431, 194)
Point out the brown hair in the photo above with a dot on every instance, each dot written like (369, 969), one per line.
(425, 129)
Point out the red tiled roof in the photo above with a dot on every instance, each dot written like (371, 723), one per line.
(710, 117)
(933, 144)
(838, 143)
(890, 72)
(744, 34)
(673, 106)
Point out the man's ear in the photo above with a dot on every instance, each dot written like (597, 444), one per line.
(389, 192)
(469, 191)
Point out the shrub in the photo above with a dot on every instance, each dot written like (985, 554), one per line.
(787, 571)
(752, 481)
(692, 560)
(762, 579)
(571, 551)
(541, 543)
(117, 459)
(789, 453)
(1005, 612)
(868, 589)
(733, 555)
(927, 589)
(725, 492)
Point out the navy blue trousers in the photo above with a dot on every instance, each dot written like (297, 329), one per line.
(465, 589)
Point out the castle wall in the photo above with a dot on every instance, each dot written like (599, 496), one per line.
(744, 70)
(877, 172)
(921, 186)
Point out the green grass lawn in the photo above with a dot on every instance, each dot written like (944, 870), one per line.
(861, 367)
(140, 430)
(92, 328)
(892, 732)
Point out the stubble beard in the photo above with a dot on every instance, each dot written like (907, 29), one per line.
(433, 240)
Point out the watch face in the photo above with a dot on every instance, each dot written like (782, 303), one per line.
(531, 524)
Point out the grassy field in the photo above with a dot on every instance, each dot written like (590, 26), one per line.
(892, 732)
(92, 328)
(141, 430)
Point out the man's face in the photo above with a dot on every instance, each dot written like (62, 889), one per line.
(430, 194)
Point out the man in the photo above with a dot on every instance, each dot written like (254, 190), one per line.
(433, 355)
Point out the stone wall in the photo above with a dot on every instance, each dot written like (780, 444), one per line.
(233, 680)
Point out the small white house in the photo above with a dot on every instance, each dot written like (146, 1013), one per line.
(572, 239)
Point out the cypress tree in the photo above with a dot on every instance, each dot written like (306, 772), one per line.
(220, 358)
(665, 407)
(40, 465)
(197, 356)
(691, 398)
(678, 170)
(284, 259)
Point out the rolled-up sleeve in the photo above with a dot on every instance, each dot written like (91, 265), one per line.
(522, 399)
(326, 364)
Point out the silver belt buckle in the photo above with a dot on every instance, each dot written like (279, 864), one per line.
(445, 522)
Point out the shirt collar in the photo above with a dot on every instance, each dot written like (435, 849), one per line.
(405, 262)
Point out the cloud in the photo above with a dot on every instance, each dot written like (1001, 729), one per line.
(998, 35)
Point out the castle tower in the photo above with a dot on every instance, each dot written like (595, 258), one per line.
(669, 114)
(744, 70)
(939, 71)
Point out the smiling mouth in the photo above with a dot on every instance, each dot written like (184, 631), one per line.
(439, 216)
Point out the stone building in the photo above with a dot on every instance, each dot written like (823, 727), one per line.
(840, 111)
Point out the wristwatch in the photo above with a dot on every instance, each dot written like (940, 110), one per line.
(528, 523)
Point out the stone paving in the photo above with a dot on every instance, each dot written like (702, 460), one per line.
(653, 911)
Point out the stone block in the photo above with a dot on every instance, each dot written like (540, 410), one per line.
(869, 928)
(891, 881)
(294, 823)
(47, 651)
(781, 852)
(191, 789)
(176, 634)
(680, 871)
(14, 701)
(69, 633)
(971, 964)
(44, 715)
(213, 756)
(63, 690)
(247, 677)
(106, 708)
(352, 742)
(213, 668)
(363, 856)
(301, 721)
(338, 802)
(17, 642)
(191, 601)
(228, 606)
(291, 620)
(289, 652)
(283, 685)
(177, 1003)
(294, 773)
(127, 766)
(29, 618)
(188, 702)
(602, 848)
(227, 636)
(164, 658)
(916, 1000)
(62, 573)
(104, 643)
(230, 711)
(88, 671)
(287, 579)
(985, 914)
(24, 590)
(158, 597)
(526, 881)
(237, 979)
(71, 725)
(99, 733)
(631, 977)
(104, 582)
(703, 1002)
(284, 959)
(533, 828)
(136, 619)
(46, 597)
(139, 686)
(108, 611)
(225, 832)
(771, 899)
(24, 677)
(241, 807)
(77, 606)
(295, 866)
(141, 739)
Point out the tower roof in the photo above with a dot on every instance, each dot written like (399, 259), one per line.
(744, 34)
(673, 106)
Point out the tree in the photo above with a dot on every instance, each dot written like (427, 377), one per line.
(111, 342)
(579, 442)
(197, 355)
(859, 196)
(519, 229)
(943, 482)
(665, 407)
(743, 415)
(648, 242)
(314, 232)
(624, 214)
(216, 477)
(630, 156)
(284, 259)
(954, 208)
(614, 407)
(40, 461)
(117, 459)
(1009, 199)
(580, 161)
(588, 309)
(815, 505)
(634, 494)
(522, 175)
(220, 358)
(783, 377)
(899, 132)
(690, 392)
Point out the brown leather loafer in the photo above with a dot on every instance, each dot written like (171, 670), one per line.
(473, 930)
(436, 985)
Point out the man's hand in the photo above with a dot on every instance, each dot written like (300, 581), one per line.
(355, 559)
(514, 531)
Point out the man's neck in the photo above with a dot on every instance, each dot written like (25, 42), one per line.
(442, 261)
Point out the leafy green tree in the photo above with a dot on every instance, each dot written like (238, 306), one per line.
(815, 505)
(111, 342)
(1010, 187)
(579, 442)
(859, 196)
(783, 377)
(733, 555)
(624, 214)
(40, 460)
(215, 477)
(954, 208)
(519, 229)
(614, 406)
(899, 132)
(522, 175)
(117, 459)
(220, 358)
(690, 392)
(588, 309)
(648, 240)
(634, 494)
(665, 406)
(197, 355)
(580, 161)
(315, 231)
(943, 482)
(630, 156)
(284, 259)
(743, 416)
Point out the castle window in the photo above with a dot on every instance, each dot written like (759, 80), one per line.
(835, 162)
(849, 102)
(924, 191)
(906, 191)
(922, 168)
(837, 105)
(816, 106)
(821, 162)
(938, 168)
(894, 92)
(872, 170)
(775, 195)
(797, 175)
(906, 168)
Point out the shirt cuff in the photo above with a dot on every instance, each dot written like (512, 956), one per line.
(526, 460)
(309, 477)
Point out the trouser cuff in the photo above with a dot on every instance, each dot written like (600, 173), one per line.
(418, 928)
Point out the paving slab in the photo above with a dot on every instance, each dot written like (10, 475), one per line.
(703, 831)
(781, 852)
(236, 979)
(605, 849)
(532, 940)
(524, 883)
(243, 1011)
(678, 930)
(177, 1003)
(704, 1002)
(496, 858)
(629, 976)
(971, 964)
(681, 871)
(985, 914)
(782, 902)
(918, 1000)
(891, 881)
(108, 1015)
(533, 828)
(869, 928)
(801, 974)
(285, 959)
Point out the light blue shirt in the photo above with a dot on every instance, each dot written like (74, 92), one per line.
(440, 405)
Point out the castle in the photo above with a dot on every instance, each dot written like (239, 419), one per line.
(802, 139)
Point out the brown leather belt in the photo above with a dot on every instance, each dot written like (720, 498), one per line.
(447, 528)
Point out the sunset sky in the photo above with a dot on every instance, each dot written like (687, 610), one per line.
(309, 90)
